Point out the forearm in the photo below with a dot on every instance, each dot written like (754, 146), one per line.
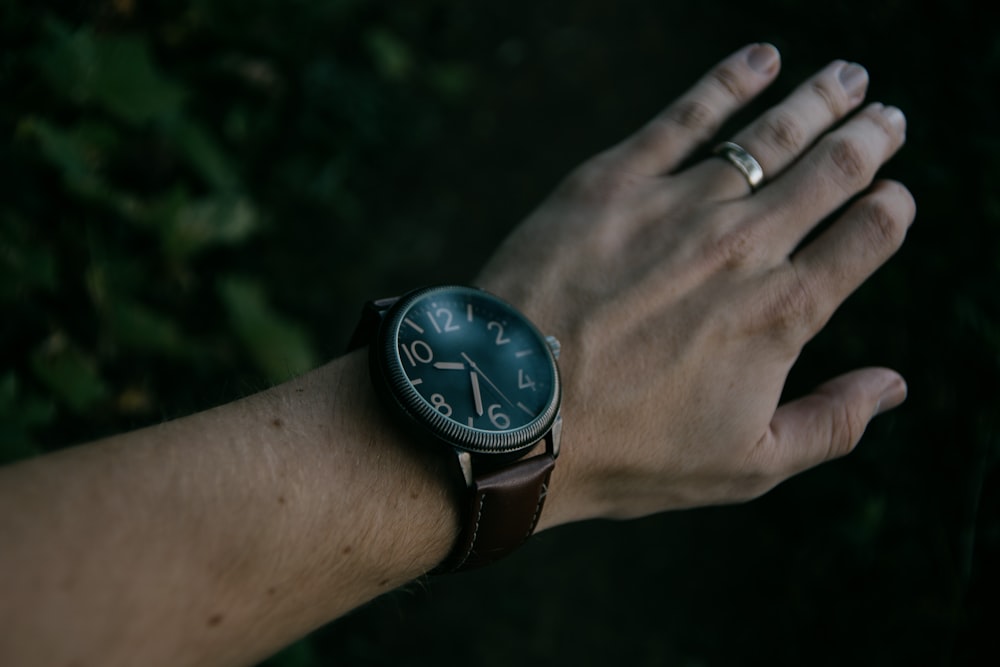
(220, 537)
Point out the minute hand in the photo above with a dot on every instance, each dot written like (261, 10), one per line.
(479, 370)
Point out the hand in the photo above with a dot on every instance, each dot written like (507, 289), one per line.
(477, 397)
(475, 384)
(682, 298)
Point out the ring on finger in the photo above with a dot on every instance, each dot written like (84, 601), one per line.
(740, 158)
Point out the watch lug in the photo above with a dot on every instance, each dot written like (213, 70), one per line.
(555, 436)
(553, 345)
(465, 464)
(368, 324)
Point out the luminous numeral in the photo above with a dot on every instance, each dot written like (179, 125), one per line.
(524, 381)
(447, 316)
(448, 325)
(418, 350)
(499, 327)
(437, 400)
(499, 419)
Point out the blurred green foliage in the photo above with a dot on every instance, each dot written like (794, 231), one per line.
(197, 195)
(168, 163)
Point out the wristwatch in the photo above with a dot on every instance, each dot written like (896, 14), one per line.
(470, 376)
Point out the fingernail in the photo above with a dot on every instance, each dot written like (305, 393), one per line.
(763, 58)
(854, 79)
(895, 117)
(892, 396)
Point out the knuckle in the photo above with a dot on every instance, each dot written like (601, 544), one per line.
(729, 80)
(692, 115)
(849, 160)
(792, 310)
(904, 196)
(828, 93)
(760, 470)
(735, 249)
(595, 182)
(883, 224)
(581, 182)
(781, 130)
(879, 118)
(898, 198)
(759, 460)
(845, 428)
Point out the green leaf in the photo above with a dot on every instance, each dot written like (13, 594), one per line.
(112, 274)
(279, 347)
(25, 263)
(197, 146)
(142, 328)
(451, 80)
(193, 226)
(114, 72)
(392, 57)
(71, 375)
(77, 153)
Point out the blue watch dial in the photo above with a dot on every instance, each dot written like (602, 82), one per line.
(471, 368)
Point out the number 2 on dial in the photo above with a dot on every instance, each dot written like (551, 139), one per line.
(499, 327)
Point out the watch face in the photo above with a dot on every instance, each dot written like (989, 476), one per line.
(471, 368)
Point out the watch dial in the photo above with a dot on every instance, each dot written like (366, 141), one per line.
(475, 366)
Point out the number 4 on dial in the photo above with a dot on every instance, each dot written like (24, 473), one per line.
(524, 381)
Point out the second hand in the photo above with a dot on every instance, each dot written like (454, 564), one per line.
(478, 370)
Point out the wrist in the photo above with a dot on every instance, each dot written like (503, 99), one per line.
(467, 375)
(411, 492)
(364, 511)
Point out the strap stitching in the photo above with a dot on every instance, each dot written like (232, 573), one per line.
(538, 511)
(475, 533)
(479, 516)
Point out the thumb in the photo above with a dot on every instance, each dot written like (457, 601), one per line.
(829, 422)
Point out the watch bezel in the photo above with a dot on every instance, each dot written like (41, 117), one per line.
(386, 361)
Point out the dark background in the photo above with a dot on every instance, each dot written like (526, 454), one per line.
(196, 196)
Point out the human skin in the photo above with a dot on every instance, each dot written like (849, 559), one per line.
(681, 300)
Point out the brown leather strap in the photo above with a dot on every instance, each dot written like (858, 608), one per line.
(505, 505)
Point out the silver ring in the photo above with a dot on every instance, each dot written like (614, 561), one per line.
(742, 160)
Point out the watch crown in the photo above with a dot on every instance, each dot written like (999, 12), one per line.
(553, 345)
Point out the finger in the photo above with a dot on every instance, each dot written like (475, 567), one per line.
(829, 268)
(841, 165)
(665, 141)
(829, 422)
(780, 136)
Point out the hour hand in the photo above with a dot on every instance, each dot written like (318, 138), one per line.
(476, 369)
(477, 397)
(449, 365)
